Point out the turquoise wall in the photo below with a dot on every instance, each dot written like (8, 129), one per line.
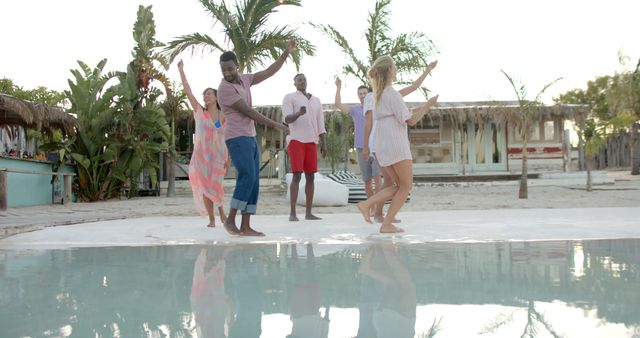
(29, 189)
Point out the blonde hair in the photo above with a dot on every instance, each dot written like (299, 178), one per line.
(380, 76)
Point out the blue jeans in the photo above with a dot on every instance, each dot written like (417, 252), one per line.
(246, 159)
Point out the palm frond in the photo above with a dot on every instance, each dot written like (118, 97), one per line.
(195, 41)
(360, 71)
(378, 27)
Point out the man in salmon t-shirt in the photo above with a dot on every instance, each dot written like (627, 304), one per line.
(234, 97)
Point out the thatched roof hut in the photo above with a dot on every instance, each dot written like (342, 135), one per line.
(500, 112)
(17, 112)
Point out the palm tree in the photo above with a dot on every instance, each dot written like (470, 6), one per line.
(409, 50)
(524, 120)
(174, 106)
(246, 31)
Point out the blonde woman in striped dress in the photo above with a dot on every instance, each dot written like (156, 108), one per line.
(391, 141)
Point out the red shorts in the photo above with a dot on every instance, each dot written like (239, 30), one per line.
(303, 157)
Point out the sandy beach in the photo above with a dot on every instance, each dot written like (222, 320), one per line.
(621, 190)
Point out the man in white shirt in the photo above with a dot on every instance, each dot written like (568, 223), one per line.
(303, 113)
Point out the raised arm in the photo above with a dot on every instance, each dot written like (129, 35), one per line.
(187, 89)
(368, 124)
(418, 82)
(418, 113)
(338, 103)
(242, 106)
(267, 73)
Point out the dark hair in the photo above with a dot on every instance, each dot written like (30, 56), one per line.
(215, 92)
(229, 56)
(299, 74)
(365, 87)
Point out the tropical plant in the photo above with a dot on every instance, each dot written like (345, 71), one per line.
(338, 138)
(90, 101)
(122, 127)
(246, 32)
(524, 120)
(623, 97)
(593, 133)
(410, 51)
(174, 106)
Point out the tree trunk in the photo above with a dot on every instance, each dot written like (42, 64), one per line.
(524, 191)
(635, 150)
(581, 165)
(589, 165)
(171, 170)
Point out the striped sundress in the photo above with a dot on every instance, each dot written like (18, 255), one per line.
(206, 169)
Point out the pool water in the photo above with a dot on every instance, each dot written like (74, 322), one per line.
(502, 289)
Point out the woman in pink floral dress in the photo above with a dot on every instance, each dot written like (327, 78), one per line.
(210, 159)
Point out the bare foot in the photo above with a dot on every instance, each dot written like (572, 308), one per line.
(231, 228)
(380, 219)
(311, 217)
(390, 229)
(364, 211)
(223, 219)
(293, 218)
(251, 232)
(211, 224)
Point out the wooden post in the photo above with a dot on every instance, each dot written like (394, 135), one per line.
(3, 190)
(66, 199)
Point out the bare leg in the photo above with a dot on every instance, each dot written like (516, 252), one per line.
(402, 172)
(245, 227)
(208, 204)
(309, 188)
(379, 197)
(387, 182)
(223, 217)
(368, 189)
(377, 209)
(293, 194)
(230, 224)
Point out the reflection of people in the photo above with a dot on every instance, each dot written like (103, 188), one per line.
(303, 113)
(210, 160)
(369, 168)
(389, 303)
(209, 302)
(307, 322)
(244, 269)
(370, 126)
(391, 141)
(234, 96)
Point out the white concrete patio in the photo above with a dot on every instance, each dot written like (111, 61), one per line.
(348, 228)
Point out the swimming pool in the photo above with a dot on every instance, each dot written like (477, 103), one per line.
(587, 288)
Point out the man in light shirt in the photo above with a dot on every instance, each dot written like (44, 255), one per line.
(369, 168)
(303, 113)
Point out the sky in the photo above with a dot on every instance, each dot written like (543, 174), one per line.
(535, 42)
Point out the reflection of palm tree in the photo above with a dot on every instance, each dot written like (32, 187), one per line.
(530, 329)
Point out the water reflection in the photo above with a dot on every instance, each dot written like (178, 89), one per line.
(387, 294)
(544, 289)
